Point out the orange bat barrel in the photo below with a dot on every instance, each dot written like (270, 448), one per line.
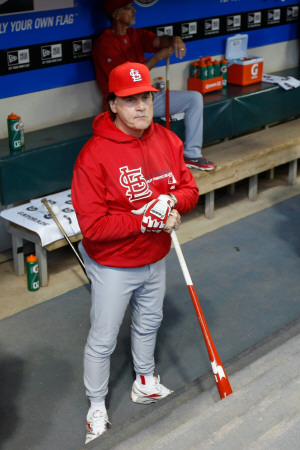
(222, 381)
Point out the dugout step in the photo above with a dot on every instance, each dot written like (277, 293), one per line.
(264, 409)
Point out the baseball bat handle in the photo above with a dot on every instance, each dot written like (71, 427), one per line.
(45, 202)
(167, 94)
(218, 369)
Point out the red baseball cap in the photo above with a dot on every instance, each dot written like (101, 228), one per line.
(111, 5)
(129, 79)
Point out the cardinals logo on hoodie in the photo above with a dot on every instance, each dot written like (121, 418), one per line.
(135, 183)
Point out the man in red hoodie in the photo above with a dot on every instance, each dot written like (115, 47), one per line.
(130, 186)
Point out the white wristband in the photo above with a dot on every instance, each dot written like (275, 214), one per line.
(175, 201)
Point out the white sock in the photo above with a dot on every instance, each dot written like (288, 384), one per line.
(144, 380)
(97, 406)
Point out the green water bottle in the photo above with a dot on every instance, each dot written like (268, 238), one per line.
(32, 273)
(202, 74)
(224, 68)
(194, 69)
(14, 133)
(210, 70)
(217, 68)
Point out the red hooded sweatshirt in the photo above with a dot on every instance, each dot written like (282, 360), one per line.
(116, 173)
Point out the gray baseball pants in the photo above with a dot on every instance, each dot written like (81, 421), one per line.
(112, 289)
(191, 104)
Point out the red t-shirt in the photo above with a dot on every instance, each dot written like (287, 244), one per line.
(110, 50)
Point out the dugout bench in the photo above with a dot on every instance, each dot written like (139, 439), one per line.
(32, 222)
(46, 164)
(242, 119)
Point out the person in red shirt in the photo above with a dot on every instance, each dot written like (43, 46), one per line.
(121, 43)
(130, 186)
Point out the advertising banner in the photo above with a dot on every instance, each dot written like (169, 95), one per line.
(47, 43)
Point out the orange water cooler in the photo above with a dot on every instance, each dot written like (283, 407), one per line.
(242, 68)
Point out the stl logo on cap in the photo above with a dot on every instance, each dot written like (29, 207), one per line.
(130, 78)
(135, 75)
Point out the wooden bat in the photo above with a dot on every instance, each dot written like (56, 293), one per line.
(167, 94)
(221, 379)
(45, 202)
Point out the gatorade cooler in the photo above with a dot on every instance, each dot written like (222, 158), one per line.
(242, 68)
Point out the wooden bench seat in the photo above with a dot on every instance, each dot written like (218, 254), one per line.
(246, 157)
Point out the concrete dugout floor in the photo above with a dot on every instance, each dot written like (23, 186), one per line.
(65, 274)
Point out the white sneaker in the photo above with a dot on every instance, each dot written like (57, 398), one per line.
(149, 394)
(96, 424)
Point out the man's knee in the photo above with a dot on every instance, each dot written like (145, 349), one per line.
(100, 348)
(147, 324)
(196, 98)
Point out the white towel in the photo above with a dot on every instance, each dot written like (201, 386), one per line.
(35, 217)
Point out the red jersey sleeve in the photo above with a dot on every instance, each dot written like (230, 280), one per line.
(111, 50)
